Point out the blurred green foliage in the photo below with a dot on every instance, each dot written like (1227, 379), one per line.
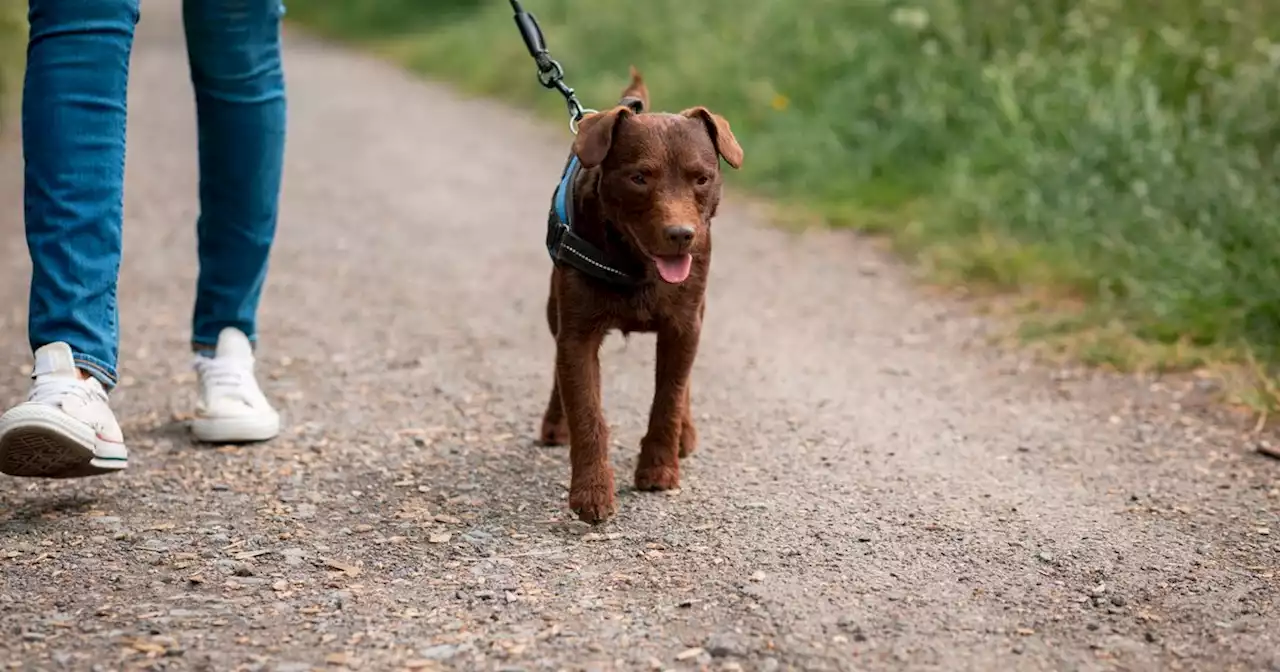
(12, 46)
(1118, 152)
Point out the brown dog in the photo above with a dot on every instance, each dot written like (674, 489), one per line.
(630, 232)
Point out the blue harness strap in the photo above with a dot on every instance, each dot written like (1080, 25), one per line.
(565, 246)
(563, 189)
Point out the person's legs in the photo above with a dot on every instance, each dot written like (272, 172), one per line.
(233, 47)
(73, 132)
(73, 139)
(234, 52)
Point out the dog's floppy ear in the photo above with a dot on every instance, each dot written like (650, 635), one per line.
(595, 135)
(721, 135)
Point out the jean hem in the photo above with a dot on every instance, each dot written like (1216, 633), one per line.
(105, 373)
(199, 343)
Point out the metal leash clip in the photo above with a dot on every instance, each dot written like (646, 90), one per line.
(550, 73)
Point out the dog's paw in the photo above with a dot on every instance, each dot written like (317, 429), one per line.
(593, 498)
(688, 439)
(554, 433)
(657, 477)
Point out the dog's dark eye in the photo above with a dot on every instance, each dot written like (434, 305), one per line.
(637, 178)
(703, 180)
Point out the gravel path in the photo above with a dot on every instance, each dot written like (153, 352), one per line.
(877, 488)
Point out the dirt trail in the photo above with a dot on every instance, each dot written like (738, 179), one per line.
(876, 489)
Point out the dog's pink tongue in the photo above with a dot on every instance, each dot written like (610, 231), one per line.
(674, 269)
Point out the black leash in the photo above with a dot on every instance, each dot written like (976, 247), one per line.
(564, 245)
(550, 74)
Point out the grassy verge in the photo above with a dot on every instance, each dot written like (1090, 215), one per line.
(1111, 160)
(12, 43)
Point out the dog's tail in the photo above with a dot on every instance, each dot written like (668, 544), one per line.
(636, 95)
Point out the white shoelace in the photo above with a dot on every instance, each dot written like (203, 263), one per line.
(222, 373)
(48, 389)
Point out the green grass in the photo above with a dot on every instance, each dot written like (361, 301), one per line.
(12, 44)
(1116, 156)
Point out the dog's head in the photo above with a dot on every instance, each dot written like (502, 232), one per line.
(659, 177)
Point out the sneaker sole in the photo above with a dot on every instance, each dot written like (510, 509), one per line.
(38, 441)
(235, 430)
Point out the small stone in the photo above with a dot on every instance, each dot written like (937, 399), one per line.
(690, 654)
(439, 652)
(849, 625)
(304, 511)
(155, 545)
(440, 538)
(338, 598)
(185, 613)
(1045, 556)
(1118, 600)
(758, 576)
(725, 645)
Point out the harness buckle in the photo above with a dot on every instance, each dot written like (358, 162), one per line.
(555, 238)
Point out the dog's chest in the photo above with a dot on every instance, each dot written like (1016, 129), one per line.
(651, 308)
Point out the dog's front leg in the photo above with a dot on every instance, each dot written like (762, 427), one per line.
(591, 488)
(660, 449)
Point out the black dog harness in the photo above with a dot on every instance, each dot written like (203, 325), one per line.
(564, 245)
(567, 247)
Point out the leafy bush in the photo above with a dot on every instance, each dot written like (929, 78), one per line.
(1116, 151)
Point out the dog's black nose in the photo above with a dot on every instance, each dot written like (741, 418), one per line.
(680, 235)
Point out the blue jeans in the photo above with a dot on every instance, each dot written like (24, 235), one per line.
(73, 132)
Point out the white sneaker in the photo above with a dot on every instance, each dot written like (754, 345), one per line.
(232, 408)
(65, 429)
